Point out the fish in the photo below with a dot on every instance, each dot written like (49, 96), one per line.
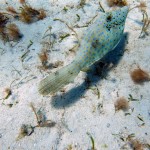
(99, 39)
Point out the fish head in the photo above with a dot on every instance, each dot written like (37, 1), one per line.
(116, 19)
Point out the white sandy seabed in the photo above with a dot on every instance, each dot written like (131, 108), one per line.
(78, 111)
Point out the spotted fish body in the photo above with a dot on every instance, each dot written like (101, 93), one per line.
(100, 38)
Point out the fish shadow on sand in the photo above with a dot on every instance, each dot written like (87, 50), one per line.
(73, 95)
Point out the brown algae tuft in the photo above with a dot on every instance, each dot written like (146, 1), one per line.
(43, 56)
(136, 144)
(7, 93)
(25, 130)
(139, 76)
(121, 104)
(13, 32)
(27, 14)
(117, 3)
(8, 32)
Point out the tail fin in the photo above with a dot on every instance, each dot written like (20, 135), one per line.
(55, 81)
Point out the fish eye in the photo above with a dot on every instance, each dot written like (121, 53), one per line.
(109, 18)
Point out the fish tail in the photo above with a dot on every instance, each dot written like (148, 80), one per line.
(57, 80)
